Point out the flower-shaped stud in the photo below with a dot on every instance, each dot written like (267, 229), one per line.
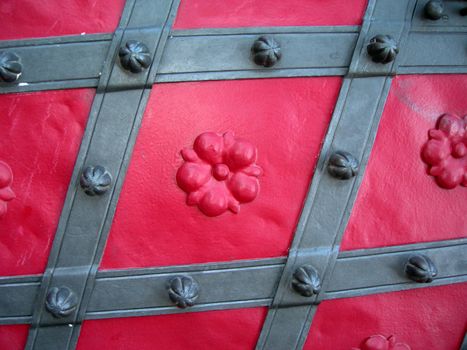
(61, 302)
(306, 281)
(266, 51)
(183, 291)
(446, 151)
(342, 165)
(433, 9)
(219, 173)
(379, 342)
(382, 49)
(135, 56)
(6, 193)
(95, 180)
(420, 268)
(10, 67)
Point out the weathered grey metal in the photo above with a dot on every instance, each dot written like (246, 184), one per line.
(329, 201)
(139, 292)
(61, 62)
(310, 51)
(112, 126)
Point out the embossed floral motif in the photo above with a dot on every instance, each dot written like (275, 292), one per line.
(446, 151)
(6, 193)
(379, 342)
(219, 173)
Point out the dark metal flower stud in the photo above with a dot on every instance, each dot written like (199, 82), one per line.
(10, 67)
(266, 51)
(343, 165)
(433, 9)
(135, 56)
(95, 180)
(61, 302)
(420, 268)
(183, 291)
(382, 49)
(306, 281)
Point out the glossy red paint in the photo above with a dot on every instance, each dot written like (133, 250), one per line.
(227, 329)
(398, 201)
(39, 139)
(446, 151)
(380, 342)
(6, 193)
(219, 173)
(253, 13)
(427, 318)
(286, 119)
(57, 17)
(13, 337)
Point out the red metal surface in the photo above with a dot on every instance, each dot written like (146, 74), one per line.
(286, 119)
(39, 139)
(398, 201)
(428, 318)
(229, 329)
(219, 173)
(13, 337)
(250, 13)
(32, 18)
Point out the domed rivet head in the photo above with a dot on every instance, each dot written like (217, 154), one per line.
(183, 291)
(266, 51)
(61, 302)
(433, 10)
(135, 56)
(10, 67)
(95, 180)
(342, 165)
(420, 268)
(382, 49)
(306, 281)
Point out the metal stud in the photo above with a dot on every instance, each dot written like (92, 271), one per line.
(306, 281)
(61, 302)
(183, 291)
(343, 165)
(420, 268)
(382, 49)
(10, 67)
(266, 51)
(433, 10)
(95, 180)
(135, 56)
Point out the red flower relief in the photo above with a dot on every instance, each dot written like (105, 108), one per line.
(379, 342)
(446, 151)
(6, 193)
(219, 173)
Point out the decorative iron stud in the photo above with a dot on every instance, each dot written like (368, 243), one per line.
(61, 302)
(382, 49)
(420, 268)
(95, 180)
(306, 281)
(183, 291)
(433, 10)
(266, 51)
(10, 67)
(135, 56)
(343, 165)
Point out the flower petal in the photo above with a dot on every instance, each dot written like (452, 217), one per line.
(191, 176)
(243, 187)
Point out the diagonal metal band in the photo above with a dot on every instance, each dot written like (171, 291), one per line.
(330, 201)
(142, 292)
(112, 127)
